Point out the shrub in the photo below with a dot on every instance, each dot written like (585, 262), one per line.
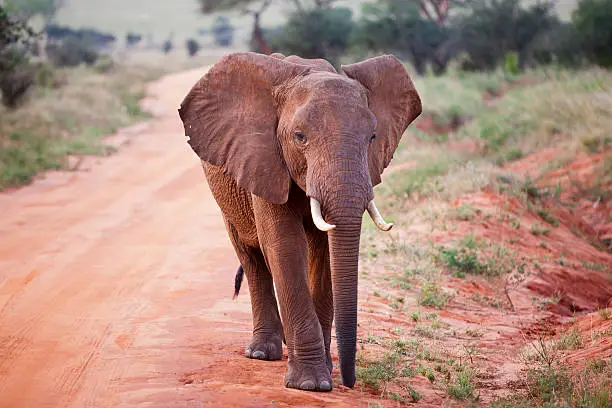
(132, 39)
(104, 64)
(511, 64)
(318, 33)
(560, 44)
(14, 86)
(71, 52)
(192, 47)
(223, 32)
(167, 46)
(16, 75)
(593, 22)
(45, 75)
(494, 27)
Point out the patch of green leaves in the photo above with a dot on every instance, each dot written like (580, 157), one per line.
(431, 295)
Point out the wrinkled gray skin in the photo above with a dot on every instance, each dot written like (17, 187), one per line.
(273, 132)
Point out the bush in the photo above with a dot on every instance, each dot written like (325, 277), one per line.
(45, 75)
(223, 32)
(593, 22)
(167, 46)
(132, 39)
(493, 28)
(16, 75)
(318, 33)
(511, 64)
(192, 47)
(560, 44)
(104, 64)
(71, 52)
(14, 86)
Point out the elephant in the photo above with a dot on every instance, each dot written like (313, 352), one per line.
(291, 149)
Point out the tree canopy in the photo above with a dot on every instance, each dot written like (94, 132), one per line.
(26, 9)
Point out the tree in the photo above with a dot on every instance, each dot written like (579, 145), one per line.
(318, 33)
(494, 27)
(400, 27)
(436, 11)
(256, 8)
(222, 31)
(192, 47)
(26, 9)
(16, 76)
(593, 22)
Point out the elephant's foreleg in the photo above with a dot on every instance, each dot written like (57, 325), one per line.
(266, 343)
(285, 247)
(319, 282)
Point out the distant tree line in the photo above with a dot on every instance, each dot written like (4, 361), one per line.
(480, 34)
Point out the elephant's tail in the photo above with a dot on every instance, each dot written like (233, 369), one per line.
(238, 281)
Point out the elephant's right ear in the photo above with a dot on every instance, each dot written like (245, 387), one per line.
(230, 117)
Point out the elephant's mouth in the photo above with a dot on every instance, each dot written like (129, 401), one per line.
(320, 223)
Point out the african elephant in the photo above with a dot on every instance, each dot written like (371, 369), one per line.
(291, 150)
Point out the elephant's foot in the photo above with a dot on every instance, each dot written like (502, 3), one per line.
(308, 377)
(265, 347)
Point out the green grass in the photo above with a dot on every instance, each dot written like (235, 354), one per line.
(555, 387)
(465, 212)
(462, 386)
(70, 120)
(422, 178)
(469, 256)
(573, 108)
(538, 229)
(462, 96)
(571, 111)
(570, 340)
(431, 295)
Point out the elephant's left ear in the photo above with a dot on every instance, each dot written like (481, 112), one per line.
(394, 101)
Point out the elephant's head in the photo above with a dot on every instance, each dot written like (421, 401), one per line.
(270, 122)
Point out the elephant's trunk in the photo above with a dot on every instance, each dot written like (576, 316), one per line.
(344, 207)
(344, 256)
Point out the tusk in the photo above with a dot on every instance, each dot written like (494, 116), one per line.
(377, 218)
(315, 210)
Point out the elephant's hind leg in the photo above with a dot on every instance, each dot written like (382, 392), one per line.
(266, 343)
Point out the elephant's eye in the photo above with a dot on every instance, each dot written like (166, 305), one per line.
(300, 137)
(373, 137)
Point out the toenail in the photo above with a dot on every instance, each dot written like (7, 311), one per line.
(325, 386)
(259, 354)
(307, 385)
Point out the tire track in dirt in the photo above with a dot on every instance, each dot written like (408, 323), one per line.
(116, 285)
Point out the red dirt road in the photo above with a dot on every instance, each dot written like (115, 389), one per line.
(116, 286)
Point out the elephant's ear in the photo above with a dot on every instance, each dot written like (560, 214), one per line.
(230, 117)
(394, 101)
